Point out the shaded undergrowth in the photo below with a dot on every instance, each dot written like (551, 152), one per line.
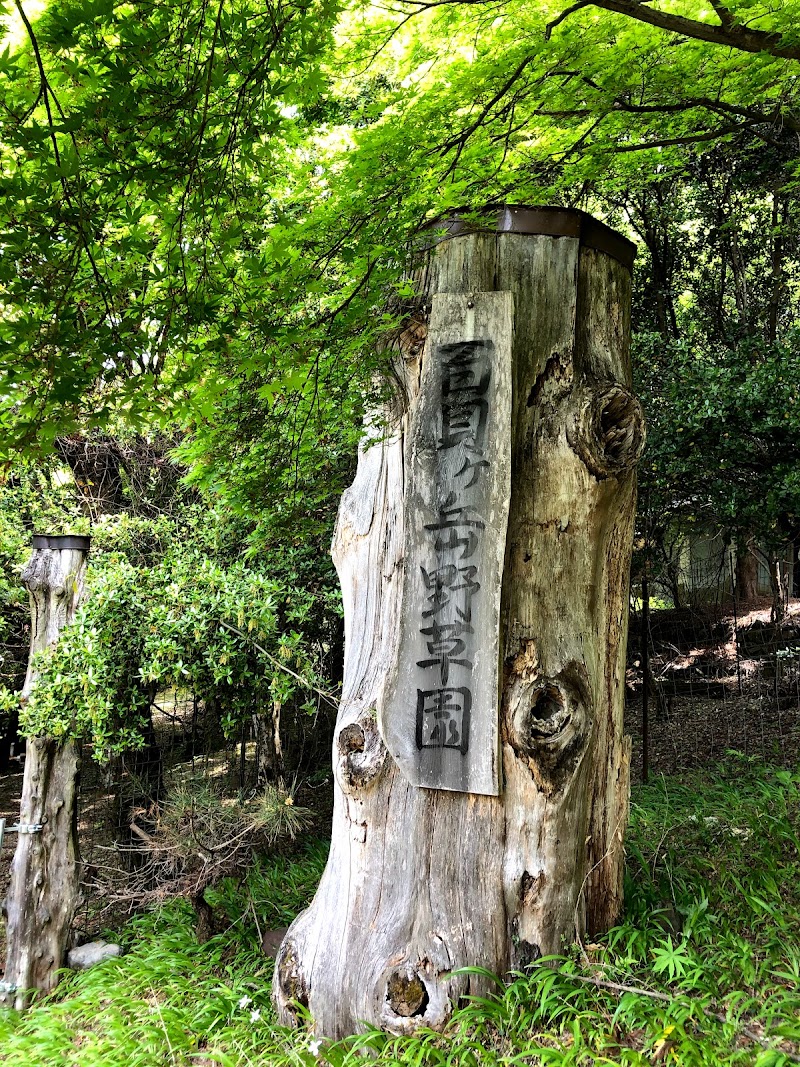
(705, 968)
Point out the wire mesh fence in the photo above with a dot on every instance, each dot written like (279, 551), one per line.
(717, 677)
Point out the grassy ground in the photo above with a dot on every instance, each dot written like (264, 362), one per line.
(705, 969)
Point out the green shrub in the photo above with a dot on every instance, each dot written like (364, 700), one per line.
(223, 630)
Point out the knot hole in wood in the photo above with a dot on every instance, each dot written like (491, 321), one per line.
(549, 714)
(406, 995)
(610, 432)
(548, 722)
(362, 753)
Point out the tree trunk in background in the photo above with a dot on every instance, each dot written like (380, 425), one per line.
(422, 881)
(270, 768)
(778, 590)
(45, 872)
(746, 574)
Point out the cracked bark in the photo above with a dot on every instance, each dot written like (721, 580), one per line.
(44, 888)
(421, 881)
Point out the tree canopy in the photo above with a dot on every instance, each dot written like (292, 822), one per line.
(208, 208)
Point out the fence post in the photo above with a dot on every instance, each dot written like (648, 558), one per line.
(45, 872)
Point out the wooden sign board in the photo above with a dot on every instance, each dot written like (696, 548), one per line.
(440, 710)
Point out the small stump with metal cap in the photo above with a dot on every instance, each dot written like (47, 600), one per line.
(45, 873)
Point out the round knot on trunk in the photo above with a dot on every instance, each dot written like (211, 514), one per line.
(361, 753)
(415, 992)
(548, 714)
(548, 722)
(609, 433)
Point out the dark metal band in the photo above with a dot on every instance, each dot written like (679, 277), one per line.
(78, 542)
(545, 221)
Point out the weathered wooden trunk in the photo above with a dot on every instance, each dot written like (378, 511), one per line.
(481, 769)
(45, 872)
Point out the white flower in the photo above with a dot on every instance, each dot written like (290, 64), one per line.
(245, 1001)
(255, 1015)
(314, 1046)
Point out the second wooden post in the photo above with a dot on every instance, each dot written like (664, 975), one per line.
(45, 872)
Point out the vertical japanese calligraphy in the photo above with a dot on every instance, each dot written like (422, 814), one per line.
(439, 713)
(466, 374)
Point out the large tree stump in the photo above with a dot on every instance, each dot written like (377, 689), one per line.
(45, 872)
(424, 880)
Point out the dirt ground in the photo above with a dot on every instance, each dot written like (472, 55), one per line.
(719, 686)
(698, 732)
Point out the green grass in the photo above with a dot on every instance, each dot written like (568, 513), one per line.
(168, 997)
(709, 952)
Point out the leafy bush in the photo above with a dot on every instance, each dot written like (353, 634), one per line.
(165, 607)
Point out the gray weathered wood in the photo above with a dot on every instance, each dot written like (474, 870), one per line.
(439, 711)
(421, 882)
(44, 889)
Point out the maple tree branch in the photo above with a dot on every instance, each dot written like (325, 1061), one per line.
(776, 118)
(565, 14)
(752, 117)
(46, 94)
(694, 138)
(459, 140)
(723, 14)
(728, 32)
